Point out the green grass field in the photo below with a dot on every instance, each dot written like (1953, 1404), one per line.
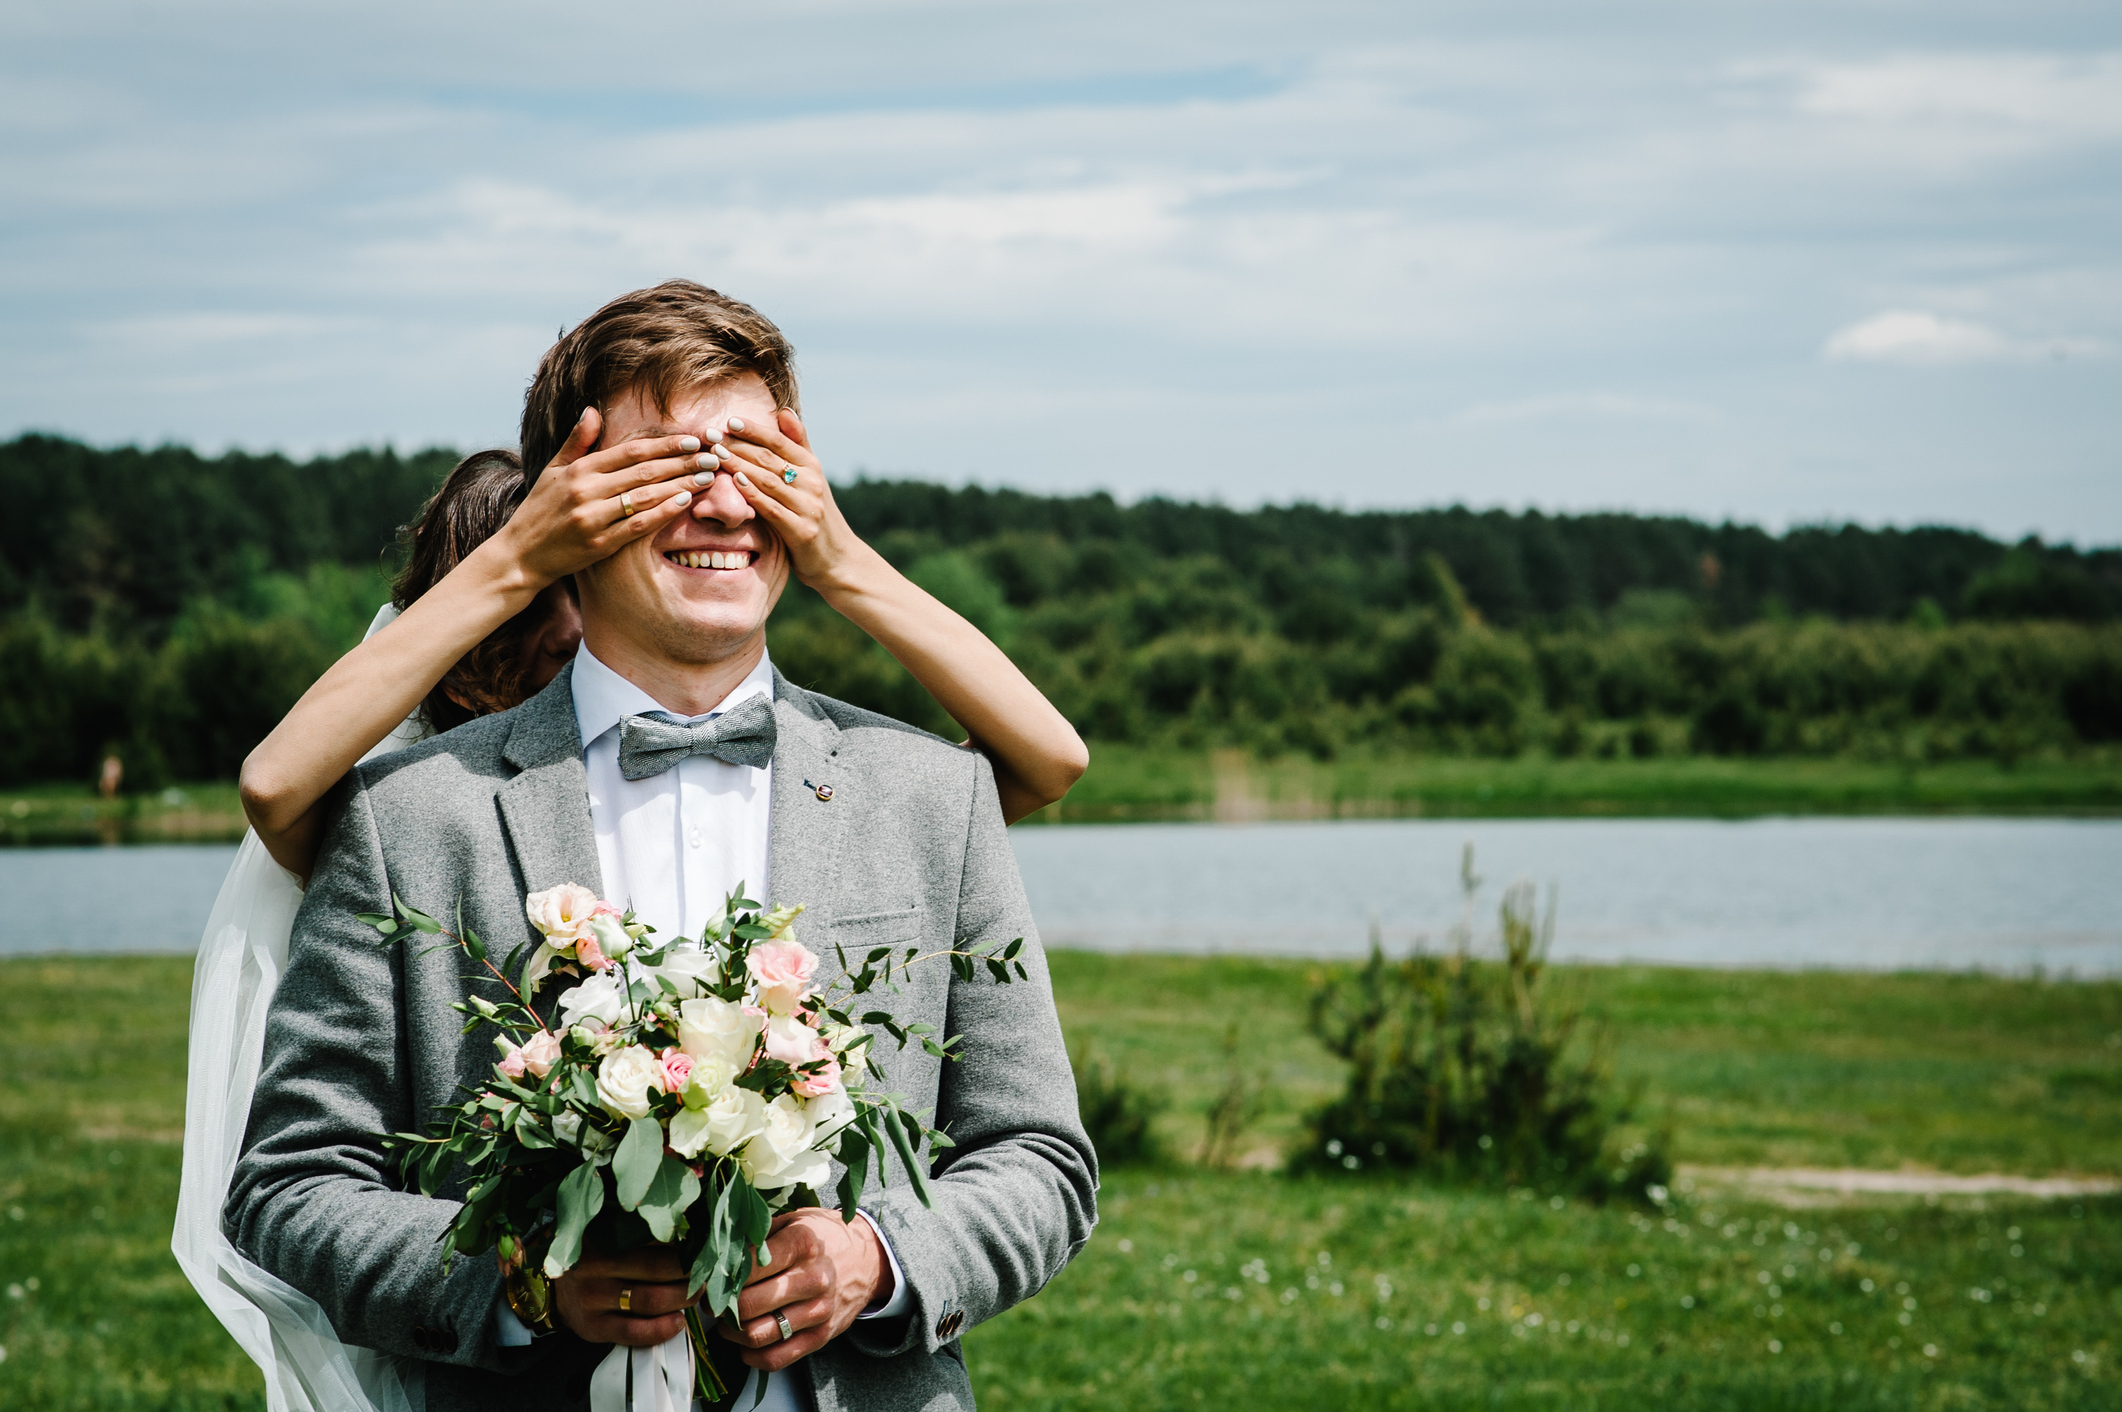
(1219, 1289)
(1133, 783)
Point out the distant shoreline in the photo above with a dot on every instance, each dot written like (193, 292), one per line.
(1137, 784)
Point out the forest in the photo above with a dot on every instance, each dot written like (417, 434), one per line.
(170, 606)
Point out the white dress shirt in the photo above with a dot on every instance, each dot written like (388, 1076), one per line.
(672, 847)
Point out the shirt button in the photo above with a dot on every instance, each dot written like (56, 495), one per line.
(695, 838)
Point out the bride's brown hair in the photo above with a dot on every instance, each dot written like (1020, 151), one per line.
(475, 500)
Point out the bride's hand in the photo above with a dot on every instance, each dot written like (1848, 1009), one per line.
(587, 505)
(800, 512)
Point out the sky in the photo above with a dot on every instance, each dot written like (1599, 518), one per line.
(1783, 262)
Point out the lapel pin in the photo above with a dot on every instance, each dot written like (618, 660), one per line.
(824, 791)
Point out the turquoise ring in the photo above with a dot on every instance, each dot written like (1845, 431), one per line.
(788, 475)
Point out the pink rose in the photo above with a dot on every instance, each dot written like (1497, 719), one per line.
(820, 1082)
(590, 954)
(541, 1053)
(783, 970)
(793, 1042)
(677, 1068)
(512, 1063)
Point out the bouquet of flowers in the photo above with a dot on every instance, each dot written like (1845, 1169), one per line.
(683, 1093)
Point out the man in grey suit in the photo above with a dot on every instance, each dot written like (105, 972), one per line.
(889, 835)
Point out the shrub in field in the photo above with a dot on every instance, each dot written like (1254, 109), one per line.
(1240, 1100)
(1119, 1114)
(1465, 1070)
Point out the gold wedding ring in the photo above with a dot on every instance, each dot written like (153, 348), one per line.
(626, 1301)
(626, 504)
(788, 1330)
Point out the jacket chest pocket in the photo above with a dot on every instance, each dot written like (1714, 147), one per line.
(864, 932)
(851, 941)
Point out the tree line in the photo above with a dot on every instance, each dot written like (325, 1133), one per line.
(170, 606)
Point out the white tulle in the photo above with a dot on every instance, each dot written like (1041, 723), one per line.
(241, 958)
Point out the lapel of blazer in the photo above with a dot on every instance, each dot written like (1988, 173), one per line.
(803, 840)
(545, 808)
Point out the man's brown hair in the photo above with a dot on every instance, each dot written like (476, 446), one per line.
(662, 340)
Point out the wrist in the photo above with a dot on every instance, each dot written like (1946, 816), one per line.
(506, 571)
(857, 573)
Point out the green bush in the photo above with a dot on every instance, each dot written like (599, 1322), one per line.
(1119, 1114)
(1464, 1070)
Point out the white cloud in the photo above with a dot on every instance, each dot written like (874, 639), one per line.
(2067, 96)
(1915, 337)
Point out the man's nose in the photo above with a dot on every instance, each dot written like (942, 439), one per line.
(723, 503)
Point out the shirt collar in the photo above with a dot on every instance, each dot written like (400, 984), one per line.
(603, 698)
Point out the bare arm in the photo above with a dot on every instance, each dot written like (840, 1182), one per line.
(1036, 753)
(570, 519)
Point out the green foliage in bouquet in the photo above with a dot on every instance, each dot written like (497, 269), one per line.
(1464, 1070)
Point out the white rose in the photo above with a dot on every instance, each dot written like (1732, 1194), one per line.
(708, 1028)
(734, 1118)
(613, 939)
(830, 1114)
(602, 997)
(687, 970)
(689, 1132)
(709, 1077)
(625, 1080)
(567, 1126)
(560, 911)
(781, 1155)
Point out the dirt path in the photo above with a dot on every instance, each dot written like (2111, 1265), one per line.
(1835, 1186)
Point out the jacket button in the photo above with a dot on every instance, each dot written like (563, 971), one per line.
(422, 1339)
(943, 1328)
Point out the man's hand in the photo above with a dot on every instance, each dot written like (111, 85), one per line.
(820, 1272)
(587, 1297)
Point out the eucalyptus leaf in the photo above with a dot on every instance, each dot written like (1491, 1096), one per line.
(639, 1158)
(581, 1198)
(673, 1188)
(897, 1132)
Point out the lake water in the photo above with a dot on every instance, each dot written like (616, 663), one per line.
(1997, 894)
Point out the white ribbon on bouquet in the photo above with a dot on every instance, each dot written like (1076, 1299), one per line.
(662, 1377)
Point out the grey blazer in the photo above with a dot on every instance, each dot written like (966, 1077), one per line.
(909, 849)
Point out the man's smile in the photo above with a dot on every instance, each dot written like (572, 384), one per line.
(711, 559)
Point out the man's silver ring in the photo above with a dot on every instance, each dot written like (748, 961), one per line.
(788, 1330)
(788, 475)
(626, 504)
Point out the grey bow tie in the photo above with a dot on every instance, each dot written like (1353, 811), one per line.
(743, 735)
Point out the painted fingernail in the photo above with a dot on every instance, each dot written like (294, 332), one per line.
(688, 443)
(744, 480)
(682, 499)
(585, 415)
(703, 479)
(706, 461)
(736, 424)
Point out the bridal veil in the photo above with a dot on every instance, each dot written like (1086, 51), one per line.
(240, 961)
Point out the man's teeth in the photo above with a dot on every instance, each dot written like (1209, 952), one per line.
(713, 559)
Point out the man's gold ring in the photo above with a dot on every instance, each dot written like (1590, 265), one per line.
(788, 1330)
(626, 1301)
(626, 504)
